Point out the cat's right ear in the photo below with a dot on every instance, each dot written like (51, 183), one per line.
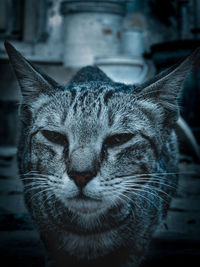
(31, 80)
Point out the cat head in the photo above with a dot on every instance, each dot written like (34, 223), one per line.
(93, 135)
(163, 89)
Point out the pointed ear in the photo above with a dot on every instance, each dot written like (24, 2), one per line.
(165, 88)
(31, 80)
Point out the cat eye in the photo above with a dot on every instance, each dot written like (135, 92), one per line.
(117, 139)
(55, 137)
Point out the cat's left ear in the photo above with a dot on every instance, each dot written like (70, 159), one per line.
(164, 89)
(32, 81)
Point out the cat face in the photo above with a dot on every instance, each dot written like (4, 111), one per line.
(90, 130)
(93, 144)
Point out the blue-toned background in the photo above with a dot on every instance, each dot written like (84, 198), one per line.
(131, 41)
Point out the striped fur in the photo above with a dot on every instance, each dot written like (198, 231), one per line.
(135, 179)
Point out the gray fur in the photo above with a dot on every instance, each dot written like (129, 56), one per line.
(134, 181)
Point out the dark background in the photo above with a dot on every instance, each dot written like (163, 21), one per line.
(171, 30)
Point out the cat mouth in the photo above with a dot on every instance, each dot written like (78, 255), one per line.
(88, 217)
(87, 224)
(85, 204)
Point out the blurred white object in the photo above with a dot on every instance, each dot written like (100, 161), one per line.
(123, 68)
(132, 43)
(91, 28)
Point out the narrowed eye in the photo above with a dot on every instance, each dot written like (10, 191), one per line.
(117, 139)
(55, 137)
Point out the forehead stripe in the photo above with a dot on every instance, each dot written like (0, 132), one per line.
(108, 95)
(42, 106)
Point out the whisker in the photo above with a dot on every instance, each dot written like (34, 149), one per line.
(35, 174)
(49, 197)
(154, 173)
(33, 179)
(159, 190)
(140, 195)
(151, 193)
(132, 189)
(35, 184)
(157, 181)
(35, 188)
(38, 193)
(133, 193)
(121, 196)
(40, 177)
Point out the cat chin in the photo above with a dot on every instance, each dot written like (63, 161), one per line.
(86, 217)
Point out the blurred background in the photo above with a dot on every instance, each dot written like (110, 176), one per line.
(130, 41)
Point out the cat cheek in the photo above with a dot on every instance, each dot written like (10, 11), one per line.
(111, 157)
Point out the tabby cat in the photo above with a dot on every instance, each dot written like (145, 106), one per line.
(98, 161)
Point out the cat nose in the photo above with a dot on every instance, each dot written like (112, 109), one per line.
(81, 178)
